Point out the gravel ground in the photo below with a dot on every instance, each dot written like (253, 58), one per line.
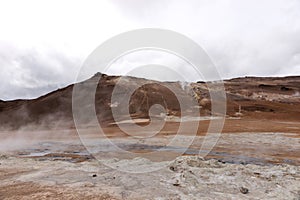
(188, 177)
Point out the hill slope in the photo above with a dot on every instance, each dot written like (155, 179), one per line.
(250, 98)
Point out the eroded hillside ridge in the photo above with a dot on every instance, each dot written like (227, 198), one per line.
(248, 97)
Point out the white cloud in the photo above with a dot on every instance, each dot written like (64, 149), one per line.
(43, 43)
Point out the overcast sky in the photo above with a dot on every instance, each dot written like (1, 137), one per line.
(44, 43)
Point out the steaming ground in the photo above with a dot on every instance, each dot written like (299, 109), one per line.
(55, 165)
(187, 177)
(257, 156)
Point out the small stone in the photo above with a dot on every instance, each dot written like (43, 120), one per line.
(176, 183)
(222, 161)
(244, 190)
(172, 168)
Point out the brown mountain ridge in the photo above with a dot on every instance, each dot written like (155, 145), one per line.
(266, 100)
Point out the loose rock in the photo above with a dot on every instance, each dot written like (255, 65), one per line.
(244, 190)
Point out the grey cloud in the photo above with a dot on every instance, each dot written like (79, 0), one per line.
(30, 73)
(247, 37)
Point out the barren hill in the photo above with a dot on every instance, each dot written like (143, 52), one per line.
(250, 99)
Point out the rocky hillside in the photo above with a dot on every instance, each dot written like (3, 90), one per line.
(249, 97)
